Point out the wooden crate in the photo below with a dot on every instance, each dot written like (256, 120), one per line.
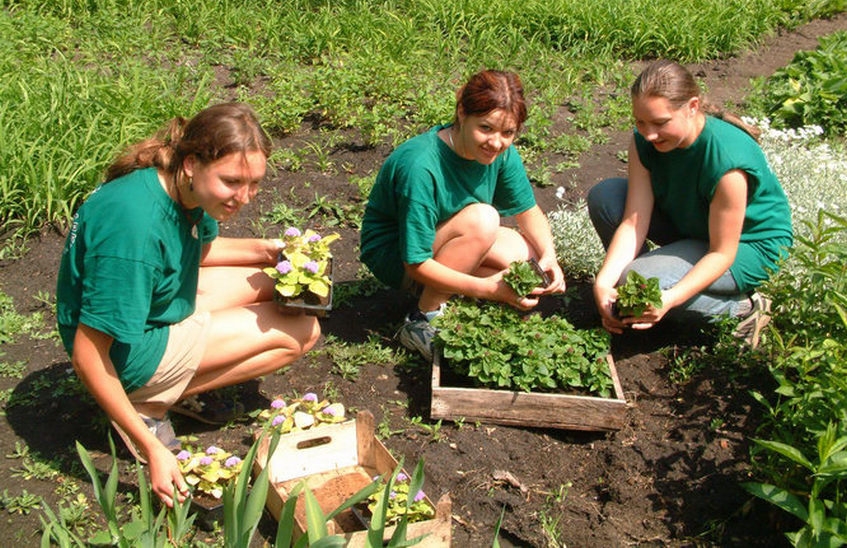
(336, 465)
(519, 408)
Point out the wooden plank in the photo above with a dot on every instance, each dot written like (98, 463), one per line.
(324, 448)
(533, 409)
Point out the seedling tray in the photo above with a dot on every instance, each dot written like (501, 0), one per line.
(336, 461)
(534, 409)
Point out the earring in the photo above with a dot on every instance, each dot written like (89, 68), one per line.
(191, 184)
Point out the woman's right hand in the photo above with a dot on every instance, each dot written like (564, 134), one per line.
(505, 294)
(605, 298)
(165, 474)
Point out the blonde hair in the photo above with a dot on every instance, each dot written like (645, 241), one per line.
(675, 83)
(213, 133)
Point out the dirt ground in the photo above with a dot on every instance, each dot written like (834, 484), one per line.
(669, 477)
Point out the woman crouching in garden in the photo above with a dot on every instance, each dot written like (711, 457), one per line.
(153, 307)
(701, 189)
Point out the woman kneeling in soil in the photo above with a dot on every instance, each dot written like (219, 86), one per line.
(700, 188)
(153, 306)
(432, 224)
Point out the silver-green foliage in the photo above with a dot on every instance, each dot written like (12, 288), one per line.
(578, 248)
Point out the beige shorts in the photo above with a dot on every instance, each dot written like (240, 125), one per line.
(187, 342)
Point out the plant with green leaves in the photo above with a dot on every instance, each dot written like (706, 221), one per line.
(145, 529)
(209, 471)
(304, 413)
(524, 276)
(304, 263)
(497, 346)
(401, 500)
(811, 90)
(637, 294)
(824, 518)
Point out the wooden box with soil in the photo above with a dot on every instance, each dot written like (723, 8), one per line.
(519, 408)
(336, 461)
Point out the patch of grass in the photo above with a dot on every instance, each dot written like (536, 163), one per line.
(349, 358)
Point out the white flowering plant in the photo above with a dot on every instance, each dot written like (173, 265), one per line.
(209, 470)
(302, 413)
(303, 265)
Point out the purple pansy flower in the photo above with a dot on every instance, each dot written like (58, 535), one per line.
(310, 396)
(278, 403)
(311, 266)
(212, 450)
(206, 461)
(183, 455)
(291, 231)
(328, 410)
(402, 477)
(314, 238)
(420, 496)
(279, 419)
(283, 267)
(234, 461)
(392, 494)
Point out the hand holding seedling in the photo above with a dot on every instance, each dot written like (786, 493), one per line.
(637, 295)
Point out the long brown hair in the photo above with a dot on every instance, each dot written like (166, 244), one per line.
(210, 135)
(675, 83)
(489, 90)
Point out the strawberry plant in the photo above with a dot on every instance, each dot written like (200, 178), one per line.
(636, 294)
(497, 346)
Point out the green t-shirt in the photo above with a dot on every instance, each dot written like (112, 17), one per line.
(422, 184)
(129, 269)
(684, 182)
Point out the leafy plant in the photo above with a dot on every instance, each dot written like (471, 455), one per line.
(303, 264)
(303, 413)
(209, 471)
(637, 294)
(524, 276)
(497, 346)
(825, 519)
(812, 89)
(400, 501)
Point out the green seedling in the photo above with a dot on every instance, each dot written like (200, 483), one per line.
(637, 294)
(524, 276)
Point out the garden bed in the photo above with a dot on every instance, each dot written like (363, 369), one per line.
(335, 462)
(518, 408)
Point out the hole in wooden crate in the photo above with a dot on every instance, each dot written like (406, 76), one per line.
(314, 442)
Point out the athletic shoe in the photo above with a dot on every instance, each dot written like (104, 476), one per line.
(417, 334)
(749, 329)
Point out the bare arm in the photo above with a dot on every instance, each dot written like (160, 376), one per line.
(627, 241)
(536, 230)
(92, 363)
(240, 252)
(726, 219)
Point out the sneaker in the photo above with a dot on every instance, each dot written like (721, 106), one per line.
(416, 334)
(749, 329)
(209, 410)
(161, 428)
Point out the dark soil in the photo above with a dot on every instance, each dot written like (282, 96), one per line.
(670, 476)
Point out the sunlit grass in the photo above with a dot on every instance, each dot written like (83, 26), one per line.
(82, 78)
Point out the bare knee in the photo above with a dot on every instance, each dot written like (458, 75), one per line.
(476, 224)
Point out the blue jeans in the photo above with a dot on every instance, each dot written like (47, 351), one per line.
(671, 261)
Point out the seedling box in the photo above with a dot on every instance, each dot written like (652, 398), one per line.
(336, 461)
(534, 409)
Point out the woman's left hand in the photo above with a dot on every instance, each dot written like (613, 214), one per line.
(557, 277)
(651, 316)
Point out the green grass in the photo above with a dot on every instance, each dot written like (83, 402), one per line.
(86, 77)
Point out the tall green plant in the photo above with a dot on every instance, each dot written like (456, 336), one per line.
(823, 511)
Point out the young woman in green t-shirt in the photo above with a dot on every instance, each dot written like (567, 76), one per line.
(152, 306)
(701, 189)
(433, 220)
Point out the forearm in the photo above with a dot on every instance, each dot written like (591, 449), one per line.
(95, 369)
(241, 252)
(708, 269)
(535, 228)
